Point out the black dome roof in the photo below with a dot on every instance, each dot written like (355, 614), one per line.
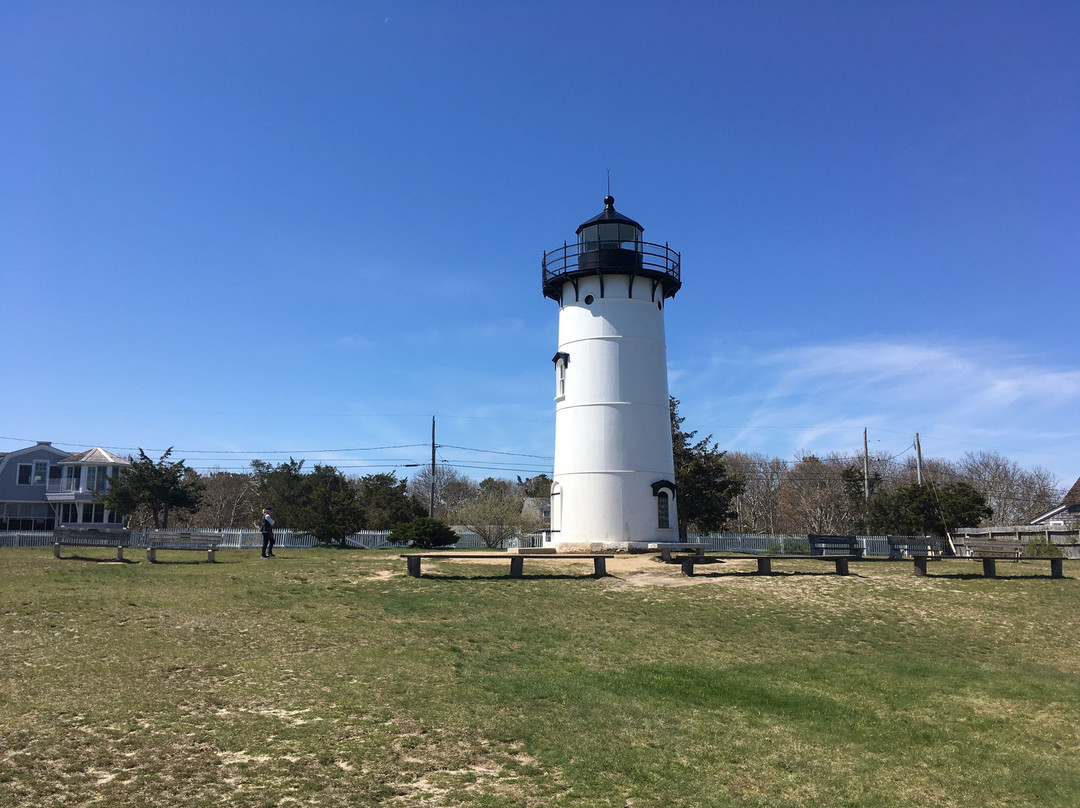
(609, 214)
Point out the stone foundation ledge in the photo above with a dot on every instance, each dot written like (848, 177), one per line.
(622, 546)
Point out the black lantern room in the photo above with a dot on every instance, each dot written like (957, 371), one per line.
(611, 244)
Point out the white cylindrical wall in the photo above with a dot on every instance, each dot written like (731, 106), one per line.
(612, 420)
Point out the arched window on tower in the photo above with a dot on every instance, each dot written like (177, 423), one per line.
(664, 491)
(561, 360)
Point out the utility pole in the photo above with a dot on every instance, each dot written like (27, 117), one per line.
(918, 460)
(865, 466)
(431, 501)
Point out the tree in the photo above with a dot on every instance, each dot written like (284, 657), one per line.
(538, 486)
(322, 502)
(812, 498)
(281, 487)
(328, 508)
(229, 502)
(1017, 495)
(385, 501)
(451, 489)
(856, 485)
(757, 505)
(496, 515)
(424, 532)
(927, 510)
(704, 490)
(153, 489)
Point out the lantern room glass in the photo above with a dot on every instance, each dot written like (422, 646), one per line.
(609, 236)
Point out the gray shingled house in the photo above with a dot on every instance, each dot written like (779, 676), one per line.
(1065, 513)
(42, 487)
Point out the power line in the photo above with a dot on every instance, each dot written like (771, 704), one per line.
(492, 451)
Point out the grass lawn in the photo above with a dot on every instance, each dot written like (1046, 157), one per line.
(330, 678)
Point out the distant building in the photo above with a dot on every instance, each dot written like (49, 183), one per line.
(42, 487)
(537, 508)
(1065, 513)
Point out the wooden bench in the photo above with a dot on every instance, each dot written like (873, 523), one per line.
(916, 548)
(413, 560)
(990, 550)
(183, 540)
(90, 537)
(834, 545)
(764, 562)
(666, 553)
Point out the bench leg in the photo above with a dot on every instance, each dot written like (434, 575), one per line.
(210, 555)
(599, 567)
(687, 565)
(516, 565)
(665, 555)
(119, 552)
(1056, 568)
(56, 550)
(151, 554)
(920, 565)
(413, 565)
(764, 566)
(841, 566)
(989, 568)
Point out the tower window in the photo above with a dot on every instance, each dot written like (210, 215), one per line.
(663, 490)
(663, 511)
(561, 360)
(589, 300)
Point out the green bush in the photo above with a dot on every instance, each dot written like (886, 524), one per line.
(1038, 546)
(789, 547)
(424, 532)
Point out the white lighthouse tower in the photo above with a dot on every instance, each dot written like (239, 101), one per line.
(614, 483)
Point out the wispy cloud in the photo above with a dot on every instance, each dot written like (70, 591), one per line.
(958, 397)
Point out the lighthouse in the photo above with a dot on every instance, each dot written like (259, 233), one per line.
(614, 477)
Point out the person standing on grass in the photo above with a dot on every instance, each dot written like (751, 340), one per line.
(267, 530)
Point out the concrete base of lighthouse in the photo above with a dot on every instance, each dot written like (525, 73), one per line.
(620, 546)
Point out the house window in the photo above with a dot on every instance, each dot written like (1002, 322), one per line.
(35, 473)
(26, 516)
(93, 512)
(71, 478)
(663, 511)
(95, 478)
(69, 513)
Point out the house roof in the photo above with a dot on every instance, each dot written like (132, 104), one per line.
(40, 446)
(97, 456)
(1073, 495)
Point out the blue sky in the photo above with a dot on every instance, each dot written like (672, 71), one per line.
(263, 229)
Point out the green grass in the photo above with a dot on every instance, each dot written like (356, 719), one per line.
(330, 678)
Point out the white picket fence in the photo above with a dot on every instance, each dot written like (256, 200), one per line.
(376, 540)
(238, 539)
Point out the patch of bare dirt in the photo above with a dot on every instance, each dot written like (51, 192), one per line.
(642, 569)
